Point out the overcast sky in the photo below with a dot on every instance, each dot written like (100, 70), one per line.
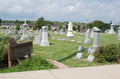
(61, 10)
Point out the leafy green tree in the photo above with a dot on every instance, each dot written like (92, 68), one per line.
(49, 27)
(74, 28)
(18, 27)
(78, 28)
(60, 26)
(39, 23)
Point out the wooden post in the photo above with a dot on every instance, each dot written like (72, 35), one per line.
(9, 61)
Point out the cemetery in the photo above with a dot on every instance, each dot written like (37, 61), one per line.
(71, 49)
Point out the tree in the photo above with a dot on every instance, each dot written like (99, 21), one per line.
(78, 28)
(39, 23)
(99, 24)
(60, 26)
(18, 26)
(49, 27)
(74, 28)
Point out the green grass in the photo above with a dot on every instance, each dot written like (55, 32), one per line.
(65, 51)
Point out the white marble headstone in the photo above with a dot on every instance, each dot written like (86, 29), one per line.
(79, 56)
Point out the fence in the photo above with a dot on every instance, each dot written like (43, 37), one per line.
(18, 50)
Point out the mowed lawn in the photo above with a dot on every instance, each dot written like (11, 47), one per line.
(65, 51)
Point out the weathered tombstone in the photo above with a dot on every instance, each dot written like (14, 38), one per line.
(63, 32)
(49, 35)
(79, 36)
(70, 31)
(79, 56)
(9, 30)
(63, 39)
(87, 49)
(53, 38)
(37, 39)
(90, 58)
(111, 29)
(40, 32)
(81, 30)
(31, 34)
(6, 35)
(80, 48)
(16, 34)
(118, 38)
(25, 35)
(44, 41)
(96, 40)
(87, 40)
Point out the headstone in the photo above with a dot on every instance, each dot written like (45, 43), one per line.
(53, 38)
(79, 36)
(31, 34)
(92, 32)
(44, 41)
(49, 35)
(80, 48)
(63, 39)
(6, 35)
(56, 31)
(1, 37)
(87, 49)
(87, 40)
(63, 31)
(79, 56)
(37, 32)
(79, 42)
(25, 35)
(118, 38)
(90, 58)
(81, 30)
(9, 30)
(72, 40)
(40, 32)
(16, 34)
(59, 39)
(2, 31)
(37, 39)
(111, 29)
(96, 40)
(21, 30)
(70, 31)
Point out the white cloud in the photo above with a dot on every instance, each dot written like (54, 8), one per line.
(15, 10)
(29, 10)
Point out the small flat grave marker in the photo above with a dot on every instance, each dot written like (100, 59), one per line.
(80, 48)
(79, 42)
(79, 56)
(90, 58)
(72, 41)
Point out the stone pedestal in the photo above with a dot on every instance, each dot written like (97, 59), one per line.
(31, 34)
(92, 32)
(70, 31)
(112, 29)
(25, 35)
(118, 38)
(44, 41)
(87, 40)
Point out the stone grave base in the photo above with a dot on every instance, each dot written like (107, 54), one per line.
(44, 43)
(87, 41)
(69, 37)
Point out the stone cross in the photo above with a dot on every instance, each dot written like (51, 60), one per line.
(44, 41)
(25, 35)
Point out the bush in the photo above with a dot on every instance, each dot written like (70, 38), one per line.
(74, 28)
(4, 50)
(107, 53)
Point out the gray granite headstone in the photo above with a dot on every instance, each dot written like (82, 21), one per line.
(90, 58)
(37, 39)
(79, 56)
(87, 40)
(44, 41)
(80, 48)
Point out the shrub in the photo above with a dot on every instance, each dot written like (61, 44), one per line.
(107, 53)
(4, 50)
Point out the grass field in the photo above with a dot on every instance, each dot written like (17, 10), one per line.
(65, 51)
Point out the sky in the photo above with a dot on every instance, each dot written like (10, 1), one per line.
(61, 10)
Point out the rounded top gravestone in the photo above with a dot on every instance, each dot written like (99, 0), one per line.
(44, 29)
